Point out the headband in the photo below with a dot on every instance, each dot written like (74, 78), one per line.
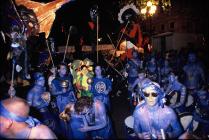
(32, 122)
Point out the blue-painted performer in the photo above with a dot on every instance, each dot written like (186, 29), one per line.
(153, 119)
(88, 119)
(101, 87)
(175, 87)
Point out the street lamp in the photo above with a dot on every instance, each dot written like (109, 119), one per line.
(148, 11)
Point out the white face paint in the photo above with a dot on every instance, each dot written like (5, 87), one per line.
(150, 96)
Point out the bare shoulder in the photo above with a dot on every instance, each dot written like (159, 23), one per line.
(42, 132)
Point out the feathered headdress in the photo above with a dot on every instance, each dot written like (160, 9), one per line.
(127, 12)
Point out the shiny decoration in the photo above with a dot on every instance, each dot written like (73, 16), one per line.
(149, 7)
(64, 84)
(124, 12)
(89, 80)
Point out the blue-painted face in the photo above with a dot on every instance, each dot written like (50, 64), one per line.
(192, 58)
(40, 81)
(171, 78)
(98, 70)
(63, 70)
(141, 75)
(152, 60)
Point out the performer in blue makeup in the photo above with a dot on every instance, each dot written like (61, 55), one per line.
(63, 90)
(201, 113)
(88, 119)
(101, 87)
(132, 67)
(39, 99)
(67, 96)
(139, 82)
(194, 77)
(165, 69)
(136, 87)
(175, 86)
(153, 119)
(15, 122)
(57, 84)
(152, 69)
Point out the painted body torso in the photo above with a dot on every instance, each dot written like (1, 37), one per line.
(64, 98)
(34, 97)
(152, 121)
(77, 121)
(152, 71)
(193, 77)
(134, 65)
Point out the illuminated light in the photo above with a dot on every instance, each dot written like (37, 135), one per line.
(64, 84)
(149, 3)
(143, 11)
(89, 81)
(152, 9)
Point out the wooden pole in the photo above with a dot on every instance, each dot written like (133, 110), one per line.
(97, 38)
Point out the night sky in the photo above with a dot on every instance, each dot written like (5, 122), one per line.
(76, 13)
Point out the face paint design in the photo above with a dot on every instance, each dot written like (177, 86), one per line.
(151, 93)
(151, 98)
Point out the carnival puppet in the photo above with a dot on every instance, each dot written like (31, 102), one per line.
(82, 72)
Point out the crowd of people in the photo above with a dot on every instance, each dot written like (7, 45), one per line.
(157, 95)
(71, 100)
